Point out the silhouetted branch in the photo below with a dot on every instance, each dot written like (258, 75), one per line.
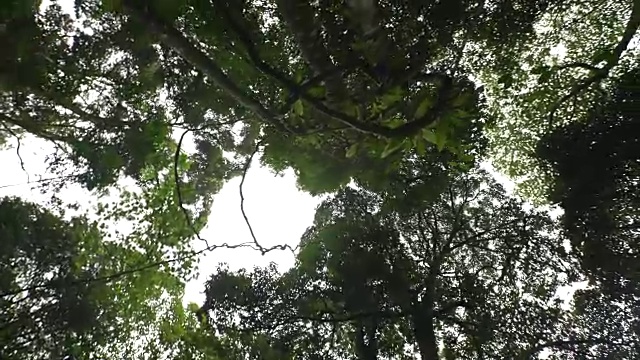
(563, 343)
(262, 249)
(133, 270)
(44, 180)
(176, 175)
(600, 74)
(19, 143)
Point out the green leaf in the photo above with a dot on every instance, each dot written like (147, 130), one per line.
(392, 146)
(420, 146)
(429, 135)
(393, 122)
(441, 141)
(392, 96)
(425, 104)
(317, 92)
(439, 138)
(352, 151)
(298, 108)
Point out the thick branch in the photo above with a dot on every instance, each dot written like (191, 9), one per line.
(301, 20)
(173, 39)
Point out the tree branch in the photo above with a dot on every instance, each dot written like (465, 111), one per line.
(601, 73)
(262, 249)
(19, 143)
(176, 175)
(562, 343)
(173, 39)
(301, 20)
(294, 89)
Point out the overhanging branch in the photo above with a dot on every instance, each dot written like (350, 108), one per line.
(173, 39)
(599, 74)
(299, 17)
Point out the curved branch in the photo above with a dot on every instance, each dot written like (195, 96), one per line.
(176, 41)
(261, 248)
(176, 176)
(19, 144)
(301, 20)
(600, 74)
(244, 214)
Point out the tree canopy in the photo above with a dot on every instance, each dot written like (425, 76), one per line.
(467, 275)
(406, 117)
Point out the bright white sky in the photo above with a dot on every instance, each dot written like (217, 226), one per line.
(278, 212)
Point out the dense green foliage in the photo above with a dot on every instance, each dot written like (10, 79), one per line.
(61, 295)
(467, 275)
(601, 201)
(391, 109)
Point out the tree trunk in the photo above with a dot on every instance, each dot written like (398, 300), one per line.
(425, 335)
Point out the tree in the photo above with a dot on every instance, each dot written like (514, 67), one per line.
(89, 288)
(388, 104)
(600, 201)
(467, 275)
(75, 85)
(552, 78)
(39, 248)
(307, 81)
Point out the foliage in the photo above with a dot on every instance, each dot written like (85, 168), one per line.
(91, 289)
(87, 88)
(387, 106)
(601, 200)
(379, 78)
(467, 275)
(39, 248)
(553, 78)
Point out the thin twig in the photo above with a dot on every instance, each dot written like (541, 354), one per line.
(133, 270)
(44, 180)
(262, 249)
(176, 175)
(18, 150)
